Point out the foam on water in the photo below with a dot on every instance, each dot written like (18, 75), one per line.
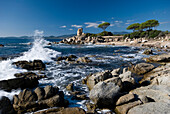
(38, 51)
(9, 94)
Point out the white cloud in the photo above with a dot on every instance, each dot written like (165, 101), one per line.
(93, 24)
(118, 21)
(70, 29)
(63, 26)
(76, 26)
(112, 25)
(128, 21)
(164, 22)
(90, 24)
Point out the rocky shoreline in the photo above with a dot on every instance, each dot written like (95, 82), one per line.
(84, 39)
(119, 90)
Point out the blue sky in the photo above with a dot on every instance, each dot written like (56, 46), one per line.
(59, 17)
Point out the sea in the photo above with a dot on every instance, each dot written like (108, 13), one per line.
(104, 57)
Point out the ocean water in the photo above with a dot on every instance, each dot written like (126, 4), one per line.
(103, 57)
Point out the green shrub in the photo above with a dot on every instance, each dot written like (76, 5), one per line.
(135, 35)
(154, 33)
(143, 34)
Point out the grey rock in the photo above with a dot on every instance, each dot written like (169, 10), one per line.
(142, 68)
(104, 94)
(98, 77)
(125, 99)
(151, 108)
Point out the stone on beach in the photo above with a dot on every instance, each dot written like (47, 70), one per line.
(16, 83)
(104, 94)
(141, 68)
(159, 58)
(26, 101)
(151, 108)
(33, 65)
(98, 77)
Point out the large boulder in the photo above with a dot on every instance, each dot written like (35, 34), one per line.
(16, 83)
(148, 52)
(128, 81)
(154, 94)
(98, 77)
(84, 60)
(159, 72)
(33, 65)
(30, 75)
(104, 94)
(40, 98)
(159, 58)
(6, 106)
(151, 108)
(125, 99)
(141, 68)
(123, 109)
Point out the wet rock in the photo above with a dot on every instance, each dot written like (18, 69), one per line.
(148, 52)
(40, 93)
(28, 101)
(84, 60)
(50, 91)
(34, 65)
(81, 97)
(16, 83)
(104, 94)
(70, 87)
(91, 108)
(1, 45)
(98, 77)
(159, 58)
(142, 68)
(151, 108)
(72, 56)
(125, 99)
(123, 109)
(6, 106)
(29, 75)
(74, 110)
(25, 74)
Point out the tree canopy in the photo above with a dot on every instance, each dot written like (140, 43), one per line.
(134, 26)
(148, 24)
(104, 25)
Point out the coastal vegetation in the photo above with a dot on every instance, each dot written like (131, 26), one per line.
(104, 25)
(145, 29)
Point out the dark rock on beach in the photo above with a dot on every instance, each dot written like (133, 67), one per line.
(28, 100)
(33, 65)
(30, 75)
(16, 83)
(1, 45)
(6, 106)
(148, 52)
